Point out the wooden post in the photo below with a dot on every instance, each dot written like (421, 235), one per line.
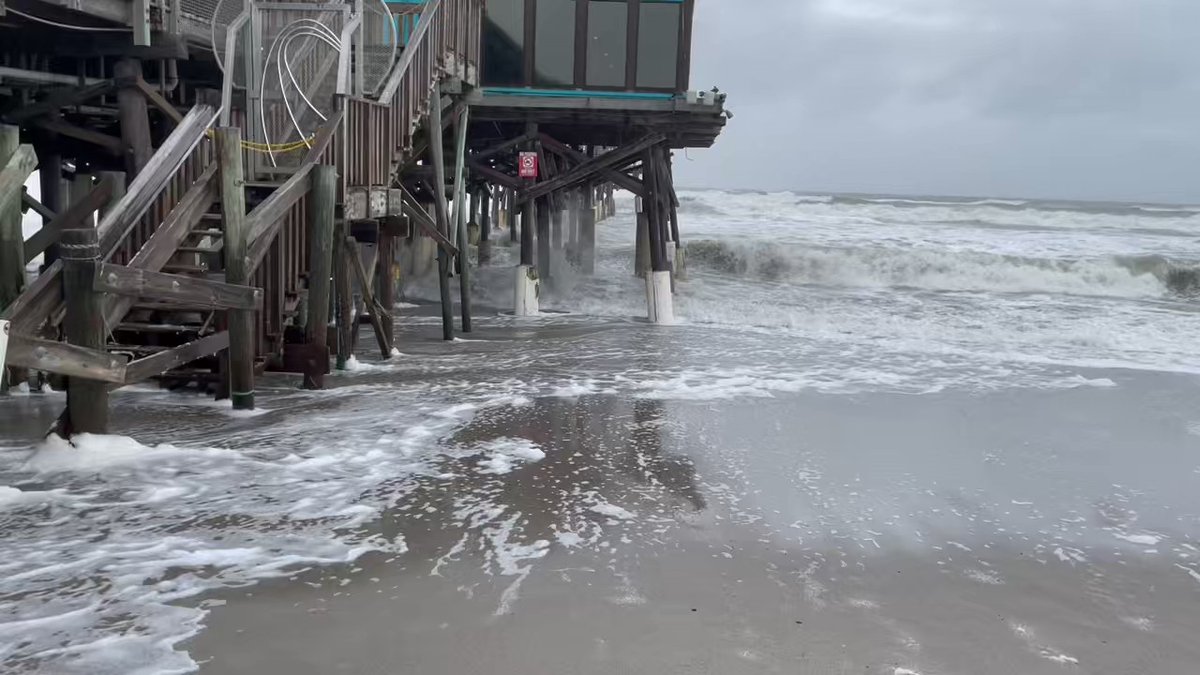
(346, 327)
(514, 215)
(12, 241)
(461, 213)
(51, 183)
(485, 226)
(386, 252)
(118, 183)
(573, 226)
(641, 256)
(135, 118)
(237, 266)
(587, 231)
(87, 400)
(81, 185)
(12, 249)
(438, 155)
(556, 220)
(528, 215)
(652, 209)
(320, 266)
(543, 238)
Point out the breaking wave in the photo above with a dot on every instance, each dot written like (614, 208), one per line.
(944, 270)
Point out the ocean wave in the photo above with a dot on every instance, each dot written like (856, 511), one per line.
(945, 270)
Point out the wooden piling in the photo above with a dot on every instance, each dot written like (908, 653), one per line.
(237, 266)
(587, 231)
(12, 247)
(461, 124)
(485, 226)
(134, 116)
(528, 215)
(51, 182)
(437, 152)
(346, 327)
(321, 226)
(652, 208)
(510, 199)
(83, 324)
(543, 238)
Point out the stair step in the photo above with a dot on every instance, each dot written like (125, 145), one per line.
(158, 328)
(207, 232)
(215, 248)
(185, 269)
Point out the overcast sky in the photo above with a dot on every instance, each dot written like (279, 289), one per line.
(1087, 99)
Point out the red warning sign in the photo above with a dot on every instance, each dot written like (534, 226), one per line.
(527, 165)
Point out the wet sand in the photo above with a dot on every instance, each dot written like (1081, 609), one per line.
(951, 533)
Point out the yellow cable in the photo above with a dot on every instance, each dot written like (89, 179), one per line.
(273, 147)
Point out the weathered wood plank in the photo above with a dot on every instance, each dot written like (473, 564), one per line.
(65, 359)
(156, 99)
(97, 197)
(427, 224)
(110, 144)
(175, 288)
(162, 362)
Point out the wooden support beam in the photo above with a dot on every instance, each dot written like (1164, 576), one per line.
(503, 147)
(623, 180)
(75, 214)
(161, 246)
(614, 159)
(135, 119)
(238, 270)
(37, 303)
(488, 173)
(37, 207)
(110, 144)
(65, 359)
(321, 229)
(378, 315)
(58, 100)
(151, 366)
(156, 99)
(176, 288)
(413, 210)
(87, 399)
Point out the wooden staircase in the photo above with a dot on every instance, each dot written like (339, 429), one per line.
(171, 241)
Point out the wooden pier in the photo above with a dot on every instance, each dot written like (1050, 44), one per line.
(227, 186)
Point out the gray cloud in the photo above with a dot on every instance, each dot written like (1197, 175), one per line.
(1091, 99)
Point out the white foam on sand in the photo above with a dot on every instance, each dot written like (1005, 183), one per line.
(105, 536)
(1140, 539)
(503, 455)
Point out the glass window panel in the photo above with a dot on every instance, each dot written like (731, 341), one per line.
(608, 23)
(554, 55)
(504, 43)
(658, 45)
